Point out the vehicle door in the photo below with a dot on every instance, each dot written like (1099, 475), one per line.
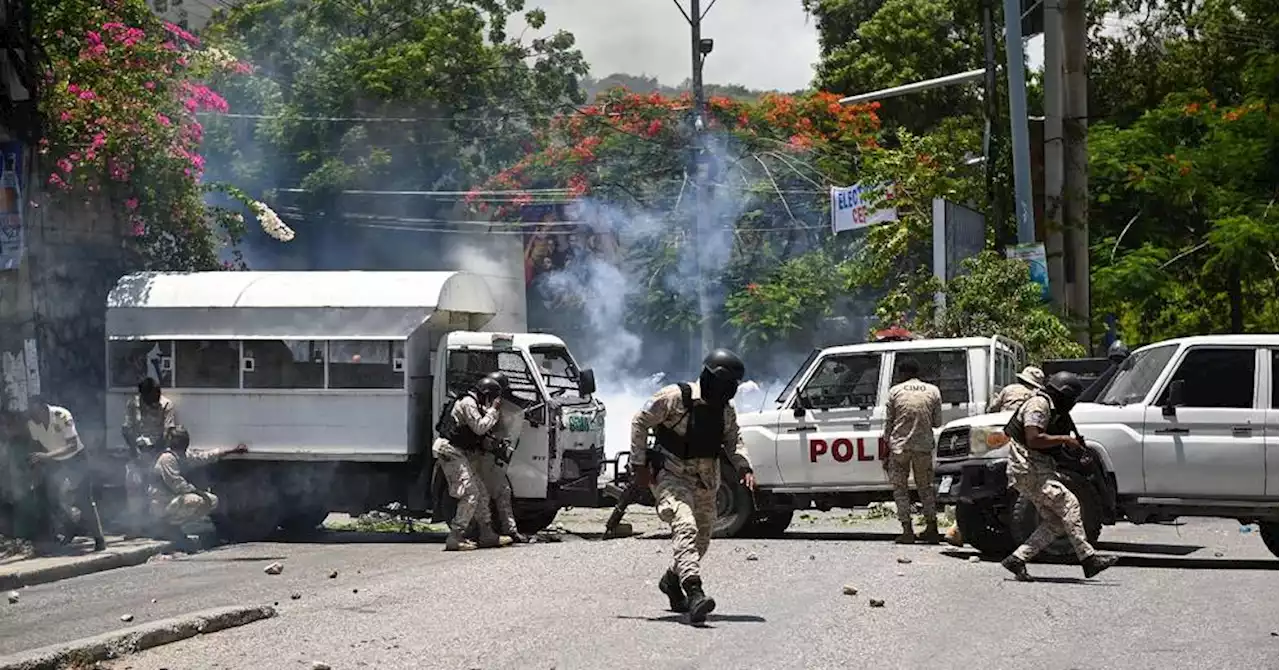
(1203, 432)
(1271, 425)
(828, 436)
(1003, 360)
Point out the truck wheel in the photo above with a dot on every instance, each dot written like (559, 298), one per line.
(303, 521)
(534, 520)
(983, 529)
(734, 507)
(771, 524)
(1268, 532)
(248, 508)
(1025, 518)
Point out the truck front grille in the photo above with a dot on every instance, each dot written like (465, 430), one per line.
(953, 443)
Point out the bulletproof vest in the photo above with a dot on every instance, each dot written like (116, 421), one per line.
(704, 430)
(1017, 430)
(457, 433)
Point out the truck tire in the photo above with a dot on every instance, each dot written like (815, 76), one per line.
(248, 508)
(734, 506)
(982, 528)
(303, 522)
(1268, 532)
(770, 524)
(1024, 519)
(531, 520)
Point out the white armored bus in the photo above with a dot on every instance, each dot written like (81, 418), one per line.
(335, 381)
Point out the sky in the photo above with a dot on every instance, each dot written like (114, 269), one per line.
(760, 44)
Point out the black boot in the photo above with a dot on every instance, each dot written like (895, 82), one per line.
(670, 585)
(1096, 564)
(699, 604)
(1017, 566)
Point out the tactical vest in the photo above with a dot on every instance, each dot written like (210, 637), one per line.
(1016, 429)
(704, 430)
(457, 433)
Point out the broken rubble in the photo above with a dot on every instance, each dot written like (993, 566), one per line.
(876, 603)
(903, 560)
(333, 574)
(126, 618)
(975, 559)
(850, 590)
(13, 597)
(752, 557)
(295, 596)
(319, 665)
(274, 569)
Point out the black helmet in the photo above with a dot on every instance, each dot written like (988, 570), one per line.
(488, 388)
(1065, 388)
(725, 366)
(500, 377)
(1117, 352)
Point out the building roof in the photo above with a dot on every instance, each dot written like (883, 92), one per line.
(300, 305)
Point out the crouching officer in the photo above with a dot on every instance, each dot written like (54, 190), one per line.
(1038, 427)
(693, 424)
(460, 437)
(174, 500)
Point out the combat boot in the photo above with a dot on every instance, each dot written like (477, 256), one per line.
(1018, 567)
(1097, 563)
(908, 535)
(455, 541)
(490, 540)
(670, 585)
(699, 605)
(931, 534)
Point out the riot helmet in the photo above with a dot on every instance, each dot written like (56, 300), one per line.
(722, 371)
(487, 389)
(1117, 352)
(500, 377)
(1064, 388)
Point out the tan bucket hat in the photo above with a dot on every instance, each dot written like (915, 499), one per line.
(1032, 376)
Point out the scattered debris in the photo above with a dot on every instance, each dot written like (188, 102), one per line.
(13, 597)
(850, 590)
(901, 574)
(160, 558)
(1217, 554)
(153, 601)
(355, 590)
(752, 557)
(975, 559)
(126, 618)
(561, 529)
(319, 665)
(274, 569)
(333, 574)
(812, 557)
(295, 596)
(1275, 634)
(903, 560)
(876, 603)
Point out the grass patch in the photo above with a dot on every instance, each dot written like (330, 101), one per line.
(367, 525)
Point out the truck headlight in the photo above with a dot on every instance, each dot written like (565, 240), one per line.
(986, 438)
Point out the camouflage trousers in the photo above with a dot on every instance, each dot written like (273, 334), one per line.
(899, 467)
(498, 489)
(687, 503)
(465, 484)
(1059, 511)
(184, 508)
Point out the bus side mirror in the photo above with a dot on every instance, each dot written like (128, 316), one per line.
(587, 382)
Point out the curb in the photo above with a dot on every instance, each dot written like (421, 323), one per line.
(132, 640)
(96, 563)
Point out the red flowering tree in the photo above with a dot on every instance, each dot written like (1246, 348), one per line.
(119, 103)
(767, 186)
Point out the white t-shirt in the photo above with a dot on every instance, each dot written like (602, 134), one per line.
(60, 433)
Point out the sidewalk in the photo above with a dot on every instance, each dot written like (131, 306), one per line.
(76, 559)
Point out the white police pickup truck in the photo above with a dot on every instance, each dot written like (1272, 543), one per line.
(1185, 427)
(819, 446)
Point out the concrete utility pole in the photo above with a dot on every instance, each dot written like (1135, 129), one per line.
(1018, 121)
(698, 169)
(1076, 136)
(1054, 106)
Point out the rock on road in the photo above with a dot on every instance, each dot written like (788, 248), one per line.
(588, 604)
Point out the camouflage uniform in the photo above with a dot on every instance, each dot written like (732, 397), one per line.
(913, 410)
(66, 476)
(459, 465)
(1010, 397)
(494, 477)
(1033, 474)
(685, 490)
(152, 422)
(174, 500)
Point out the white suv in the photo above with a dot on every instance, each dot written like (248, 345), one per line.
(1186, 427)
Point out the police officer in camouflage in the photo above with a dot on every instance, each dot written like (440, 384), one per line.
(1030, 380)
(1039, 426)
(460, 435)
(913, 410)
(494, 474)
(693, 425)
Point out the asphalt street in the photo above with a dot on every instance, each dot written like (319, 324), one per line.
(1196, 595)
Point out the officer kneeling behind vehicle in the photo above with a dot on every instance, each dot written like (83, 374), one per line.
(692, 425)
(174, 500)
(1033, 473)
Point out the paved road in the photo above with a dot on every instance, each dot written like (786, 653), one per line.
(588, 604)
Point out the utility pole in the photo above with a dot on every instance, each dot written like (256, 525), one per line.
(1076, 137)
(698, 169)
(990, 110)
(1054, 107)
(1018, 121)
